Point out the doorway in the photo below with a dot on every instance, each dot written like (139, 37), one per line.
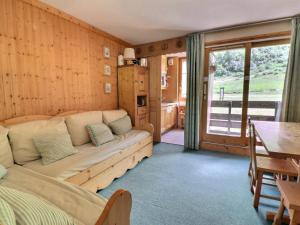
(173, 93)
(240, 81)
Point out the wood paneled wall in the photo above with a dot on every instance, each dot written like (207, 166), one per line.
(164, 47)
(50, 64)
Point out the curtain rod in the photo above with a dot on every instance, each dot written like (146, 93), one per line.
(242, 25)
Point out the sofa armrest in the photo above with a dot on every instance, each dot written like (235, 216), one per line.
(147, 127)
(117, 209)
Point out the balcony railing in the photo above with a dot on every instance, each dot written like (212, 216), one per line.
(231, 120)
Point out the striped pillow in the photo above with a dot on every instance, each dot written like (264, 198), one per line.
(29, 209)
(7, 216)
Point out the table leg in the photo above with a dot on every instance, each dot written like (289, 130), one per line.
(271, 215)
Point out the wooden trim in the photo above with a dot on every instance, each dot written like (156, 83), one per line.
(117, 209)
(252, 38)
(68, 113)
(237, 150)
(246, 89)
(24, 119)
(68, 17)
(271, 42)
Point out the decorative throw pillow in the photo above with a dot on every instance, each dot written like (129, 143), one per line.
(121, 126)
(77, 126)
(112, 115)
(7, 215)
(53, 147)
(6, 158)
(3, 172)
(99, 133)
(30, 209)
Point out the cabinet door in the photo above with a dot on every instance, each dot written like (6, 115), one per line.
(142, 79)
(163, 119)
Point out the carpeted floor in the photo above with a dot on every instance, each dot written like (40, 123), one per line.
(174, 187)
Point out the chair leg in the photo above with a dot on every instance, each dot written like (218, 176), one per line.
(257, 189)
(249, 170)
(252, 183)
(279, 215)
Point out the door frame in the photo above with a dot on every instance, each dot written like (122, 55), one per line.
(223, 142)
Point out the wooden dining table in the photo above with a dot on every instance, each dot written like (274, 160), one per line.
(281, 140)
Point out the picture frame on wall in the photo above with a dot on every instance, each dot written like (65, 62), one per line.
(107, 88)
(107, 70)
(106, 52)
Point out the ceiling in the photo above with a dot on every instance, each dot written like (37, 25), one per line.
(143, 21)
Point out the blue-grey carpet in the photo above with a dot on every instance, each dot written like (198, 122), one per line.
(175, 187)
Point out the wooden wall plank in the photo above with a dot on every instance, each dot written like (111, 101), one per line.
(51, 63)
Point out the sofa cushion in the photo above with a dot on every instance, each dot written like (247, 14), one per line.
(30, 209)
(99, 133)
(7, 215)
(53, 147)
(6, 158)
(121, 126)
(112, 115)
(21, 137)
(88, 156)
(77, 125)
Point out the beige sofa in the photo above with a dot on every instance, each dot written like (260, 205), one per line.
(84, 207)
(92, 168)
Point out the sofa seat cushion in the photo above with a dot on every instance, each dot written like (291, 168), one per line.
(63, 195)
(87, 156)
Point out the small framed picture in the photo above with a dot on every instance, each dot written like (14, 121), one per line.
(107, 88)
(106, 52)
(107, 70)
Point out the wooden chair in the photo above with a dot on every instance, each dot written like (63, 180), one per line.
(290, 200)
(259, 148)
(266, 165)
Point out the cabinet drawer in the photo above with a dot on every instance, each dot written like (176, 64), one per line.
(142, 110)
(142, 119)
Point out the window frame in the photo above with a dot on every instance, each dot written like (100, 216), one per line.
(180, 97)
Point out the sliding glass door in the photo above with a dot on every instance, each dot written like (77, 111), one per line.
(240, 81)
(225, 91)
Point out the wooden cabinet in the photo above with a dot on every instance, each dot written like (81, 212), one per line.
(168, 117)
(133, 92)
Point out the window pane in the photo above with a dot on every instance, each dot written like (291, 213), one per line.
(267, 74)
(183, 78)
(225, 91)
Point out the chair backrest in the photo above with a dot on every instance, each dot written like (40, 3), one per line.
(252, 146)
